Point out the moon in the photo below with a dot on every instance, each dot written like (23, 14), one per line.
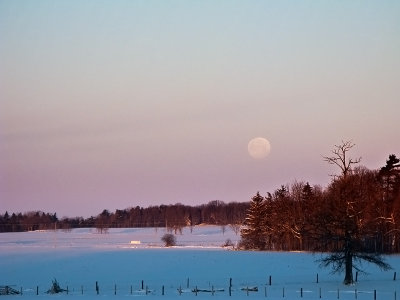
(259, 148)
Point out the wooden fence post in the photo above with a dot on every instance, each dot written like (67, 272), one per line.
(37, 290)
(301, 292)
(162, 290)
(270, 280)
(394, 276)
(317, 278)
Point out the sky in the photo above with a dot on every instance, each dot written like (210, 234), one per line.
(114, 104)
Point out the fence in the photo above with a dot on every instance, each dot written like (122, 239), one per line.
(268, 289)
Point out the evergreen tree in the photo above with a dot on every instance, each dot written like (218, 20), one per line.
(254, 233)
(389, 175)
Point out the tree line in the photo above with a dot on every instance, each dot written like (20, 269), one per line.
(356, 217)
(173, 217)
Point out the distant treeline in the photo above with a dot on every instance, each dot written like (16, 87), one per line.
(173, 217)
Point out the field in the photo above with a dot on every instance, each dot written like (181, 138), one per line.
(78, 259)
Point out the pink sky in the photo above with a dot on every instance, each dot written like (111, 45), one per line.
(117, 104)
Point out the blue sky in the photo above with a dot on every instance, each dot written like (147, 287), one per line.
(111, 104)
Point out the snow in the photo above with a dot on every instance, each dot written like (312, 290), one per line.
(79, 258)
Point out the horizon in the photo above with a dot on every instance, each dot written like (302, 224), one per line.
(135, 103)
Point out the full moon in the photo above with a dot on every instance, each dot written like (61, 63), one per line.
(259, 148)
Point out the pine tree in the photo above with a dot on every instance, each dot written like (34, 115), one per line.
(254, 233)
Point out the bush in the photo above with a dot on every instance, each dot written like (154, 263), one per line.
(169, 239)
(228, 243)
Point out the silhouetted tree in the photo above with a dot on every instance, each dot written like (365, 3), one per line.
(102, 222)
(253, 234)
(342, 222)
(169, 239)
(340, 159)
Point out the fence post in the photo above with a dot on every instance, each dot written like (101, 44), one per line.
(374, 294)
(265, 292)
(131, 289)
(301, 292)
(270, 280)
(67, 290)
(115, 289)
(97, 288)
(394, 276)
(356, 276)
(317, 278)
(162, 293)
(21, 290)
(187, 283)
(142, 285)
(37, 290)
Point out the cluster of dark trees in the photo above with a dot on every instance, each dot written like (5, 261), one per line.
(356, 217)
(174, 217)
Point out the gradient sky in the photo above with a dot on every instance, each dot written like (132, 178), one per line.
(113, 104)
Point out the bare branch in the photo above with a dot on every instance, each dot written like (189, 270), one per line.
(339, 157)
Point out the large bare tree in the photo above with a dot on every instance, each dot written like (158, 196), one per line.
(343, 222)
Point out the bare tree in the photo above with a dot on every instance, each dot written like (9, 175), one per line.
(343, 223)
(340, 158)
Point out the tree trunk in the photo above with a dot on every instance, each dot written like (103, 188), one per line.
(348, 279)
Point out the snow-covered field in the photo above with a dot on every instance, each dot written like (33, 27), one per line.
(29, 262)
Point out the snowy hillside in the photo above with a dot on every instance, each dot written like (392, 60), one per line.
(78, 259)
(198, 236)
